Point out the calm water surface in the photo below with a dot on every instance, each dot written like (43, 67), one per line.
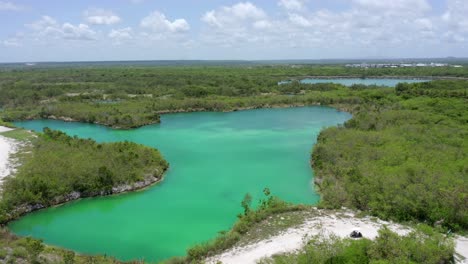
(215, 159)
(349, 82)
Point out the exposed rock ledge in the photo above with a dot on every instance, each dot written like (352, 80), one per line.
(28, 208)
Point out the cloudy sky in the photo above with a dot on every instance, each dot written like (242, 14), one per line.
(61, 30)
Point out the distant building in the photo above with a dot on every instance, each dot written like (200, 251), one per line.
(398, 65)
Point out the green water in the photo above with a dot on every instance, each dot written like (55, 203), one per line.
(215, 159)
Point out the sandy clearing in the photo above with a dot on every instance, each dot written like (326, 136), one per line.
(462, 249)
(294, 238)
(7, 148)
(5, 129)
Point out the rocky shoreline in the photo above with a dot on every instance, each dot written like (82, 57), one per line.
(175, 111)
(69, 119)
(73, 196)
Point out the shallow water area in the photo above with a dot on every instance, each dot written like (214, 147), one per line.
(215, 159)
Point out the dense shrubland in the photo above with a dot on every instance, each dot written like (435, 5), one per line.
(127, 97)
(60, 165)
(421, 246)
(403, 156)
(251, 216)
(405, 160)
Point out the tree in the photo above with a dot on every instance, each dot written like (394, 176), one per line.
(246, 202)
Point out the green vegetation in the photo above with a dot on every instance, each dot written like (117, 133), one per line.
(423, 245)
(403, 160)
(3, 123)
(268, 206)
(61, 168)
(403, 156)
(18, 134)
(124, 97)
(420, 246)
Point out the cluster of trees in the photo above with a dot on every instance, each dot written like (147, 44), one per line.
(404, 160)
(421, 246)
(403, 156)
(127, 97)
(454, 89)
(60, 164)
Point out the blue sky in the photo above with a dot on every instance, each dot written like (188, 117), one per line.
(62, 30)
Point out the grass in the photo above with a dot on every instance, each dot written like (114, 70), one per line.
(18, 134)
(275, 225)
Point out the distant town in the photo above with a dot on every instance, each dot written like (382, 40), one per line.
(400, 65)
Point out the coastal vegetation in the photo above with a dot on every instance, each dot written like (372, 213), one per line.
(423, 245)
(61, 168)
(403, 155)
(405, 159)
(269, 205)
(127, 97)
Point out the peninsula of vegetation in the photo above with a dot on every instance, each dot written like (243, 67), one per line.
(60, 169)
(402, 157)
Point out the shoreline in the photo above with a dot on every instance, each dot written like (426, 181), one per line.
(338, 107)
(404, 77)
(325, 223)
(335, 223)
(23, 210)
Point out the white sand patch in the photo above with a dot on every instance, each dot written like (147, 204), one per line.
(462, 249)
(295, 238)
(5, 129)
(7, 148)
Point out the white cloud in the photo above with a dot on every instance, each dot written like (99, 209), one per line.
(11, 42)
(262, 24)
(44, 23)
(9, 6)
(299, 20)
(293, 5)
(394, 5)
(121, 35)
(158, 22)
(47, 27)
(233, 25)
(227, 16)
(78, 32)
(424, 24)
(359, 28)
(101, 17)
(366, 23)
(456, 17)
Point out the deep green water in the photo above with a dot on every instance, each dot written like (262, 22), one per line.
(215, 158)
(349, 82)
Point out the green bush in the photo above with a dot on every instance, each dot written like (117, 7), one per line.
(60, 165)
(405, 161)
(269, 206)
(424, 246)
